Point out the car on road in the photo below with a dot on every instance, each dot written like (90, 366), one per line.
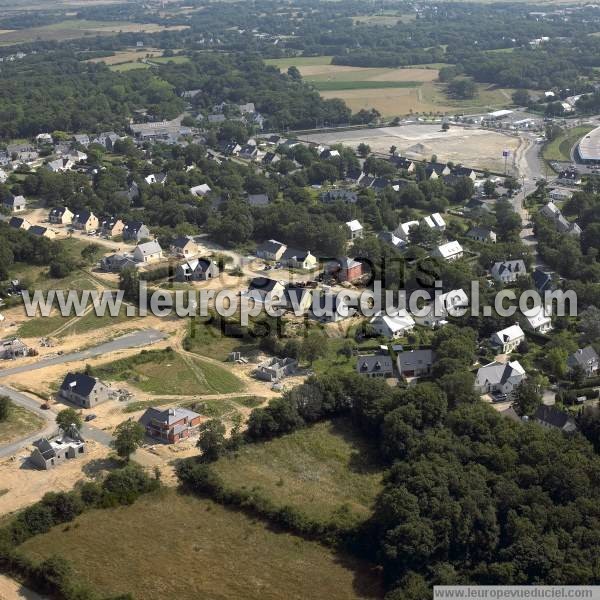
(89, 417)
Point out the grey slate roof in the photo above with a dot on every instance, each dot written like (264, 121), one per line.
(79, 383)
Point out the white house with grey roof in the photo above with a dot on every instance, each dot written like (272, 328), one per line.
(508, 339)
(375, 365)
(271, 250)
(507, 271)
(354, 229)
(197, 269)
(449, 251)
(14, 203)
(500, 378)
(83, 390)
(394, 325)
(49, 453)
(537, 319)
(415, 363)
(586, 358)
(148, 252)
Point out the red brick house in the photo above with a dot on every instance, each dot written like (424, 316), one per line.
(346, 269)
(170, 425)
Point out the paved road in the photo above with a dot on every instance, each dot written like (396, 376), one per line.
(33, 406)
(143, 337)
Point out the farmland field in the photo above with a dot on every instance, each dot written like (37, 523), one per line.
(316, 470)
(200, 550)
(393, 92)
(77, 28)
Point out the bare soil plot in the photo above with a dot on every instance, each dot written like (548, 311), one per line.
(470, 146)
(200, 550)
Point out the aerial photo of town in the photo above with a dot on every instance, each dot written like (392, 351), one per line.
(299, 299)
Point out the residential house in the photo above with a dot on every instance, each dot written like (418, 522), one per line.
(299, 259)
(394, 325)
(499, 378)
(60, 165)
(415, 363)
(60, 216)
(19, 223)
(562, 225)
(107, 139)
(171, 424)
(461, 171)
(553, 418)
(135, 231)
(270, 158)
(339, 195)
(271, 250)
(274, 369)
(3, 176)
(156, 178)
(345, 269)
(112, 227)
(542, 281)
(115, 263)
(132, 193)
(49, 453)
(148, 252)
(298, 298)
(403, 230)
(12, 348)
(405, 164)
(536, 319)
(185, 246)
(14, 203)
(331, 308)
(85, 220)
(569, 177)
(375, 365)
(200, 190)
(482, 234)
(560, 195)
(248, 151)
(197, 269)
(507, 271)
(258, 199)
(355, 229)
(435, 222)
(586, 358)
(508, 339)
(451, 303)
(83, 390)
(449, 251)
(389, 237)
(82, 139)
(41, 231)
(265, 290)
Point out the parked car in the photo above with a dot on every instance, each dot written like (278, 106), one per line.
(90, 417)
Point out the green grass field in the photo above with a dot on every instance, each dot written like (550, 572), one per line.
(169, 545)
(324, 470)
(560, 148)
(210, 341)
(167, 372)
(20, 422)
(130, 66)
(299, 61)
(164, 60)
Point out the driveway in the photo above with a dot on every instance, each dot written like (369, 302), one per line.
(143, 337)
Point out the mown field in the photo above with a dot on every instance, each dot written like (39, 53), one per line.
(168, 372)
(20, 422)
(326, 471)
(393, 92)
(70, 29)
(206, 340)
(168, 545)
(560, 148)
